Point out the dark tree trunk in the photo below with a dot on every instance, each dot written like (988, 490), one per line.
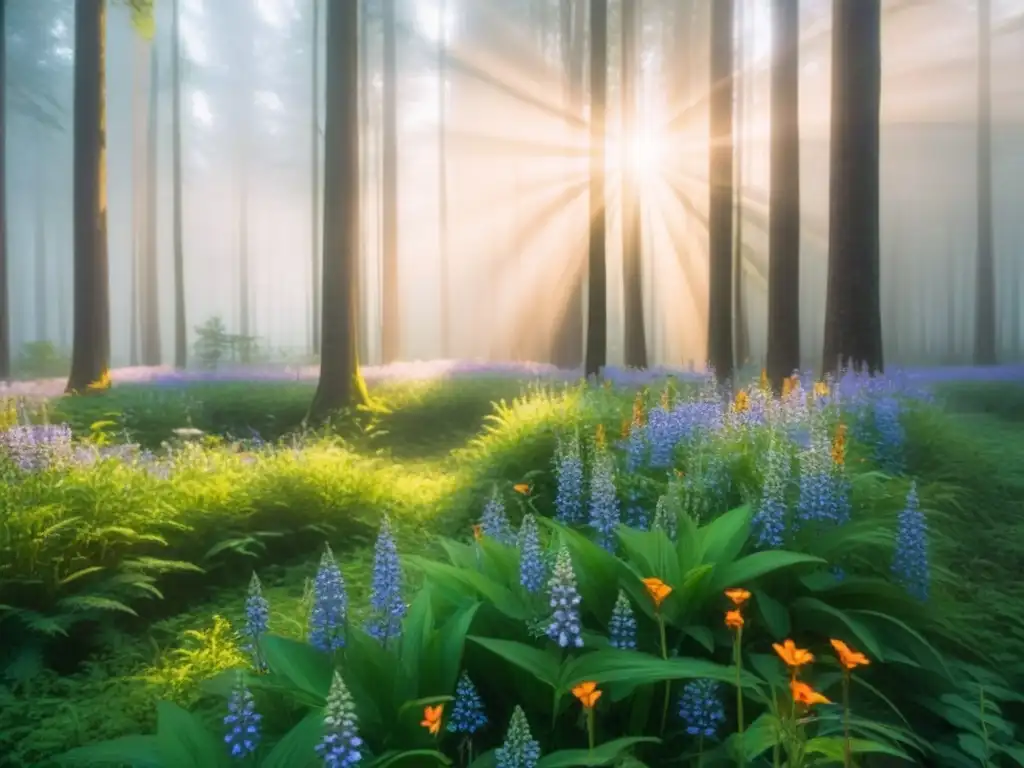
(985, 289)
(744, 89)
(341, 385)
(853, 327)
(90, 353)
(632, 250)
(442, 182)
(597, 282)
(784, 195)
(391, 318)
(369, 173)
(148, 269)
(720, 355)
(314, 183)
(180, 321)
(5, 313)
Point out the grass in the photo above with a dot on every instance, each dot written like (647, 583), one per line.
(428, 455)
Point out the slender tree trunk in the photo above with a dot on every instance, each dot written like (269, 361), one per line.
(90, 354)
(853, 327)
(151, 352)
(635, 334)
(391, 315)
(985, 289)
(442, 180)
(784, 195)
(365, 128)
(42, 305)
(743, 86)
(597, 281)
(139, 105)
(314, 180)
(720, 348)
(243, 145)
(180, 321)
(341, 385)
(5, 312)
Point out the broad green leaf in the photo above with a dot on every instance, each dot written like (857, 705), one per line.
(448, 646)
(76, 603)
(831, 747)
(858, 680)
(640, 668)
(541, 664)
(136, 751)
(774, 614)
(300, 664)
(473, 583)
(760, 736)
(182, 740)
(863, 634)
(702, 635)
(1013, 752)
(723, 538)
(688, 542)
(651, 553)
(461, 555)
(499, 562)
(488, 759)
(80, 573)
(603, 754)
(426, 701)
(940, 662)
(417, 630)
(412, 757)
(597, 571)
(296, 749)
(744, 571)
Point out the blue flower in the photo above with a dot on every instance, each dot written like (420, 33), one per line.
(520, 749)
(242, 722)
(636, 447)
(604, 502)
(622, 625)
(564, 627)
(330, 605)
(569, 473)
(700, 708)
(532, 570)
(387, 606)
(257, 621)
(891, 435)
(494, 522)
(910, 560)
(769, 521)
(468, 714)
(340, 745)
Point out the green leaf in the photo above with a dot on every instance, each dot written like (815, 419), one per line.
(760, 736)
(389, 759)
(488, 759)
(94, 603)
(604, 754)
(651, 553)
(472, 583)
(616, 666)
(940, 663)
(182, 740)
(80, 573)
(302, 665)
(541, 664)
(296, 749)
(723, 538)
(832, 747)
(597, 571)
(448, 647)
(688, 542)
(417, 630)
(136, 751)
(774, 614)
(743, 571)
(865, 637)
(461, 555)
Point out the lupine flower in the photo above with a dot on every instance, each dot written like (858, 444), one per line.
(890, 434)
(569, 473)
(910, 560)
(242, 721)
(330, 605)
(824, 492)
(769, 520)
(340, 746)
(520, 749)
(532, 569)
(494, 522)
(564, 627)
(257, 621)
(35, 447)
(468, 714)
(701, 708)
(665, 518)
(604, 501)
(622, 625)
(387, 606)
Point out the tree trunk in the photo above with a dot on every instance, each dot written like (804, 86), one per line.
(314, 183)
(784, 195)
(985, 288)
(151, 352)
(366, 170)
(853, 327)
(597, 282)
(242, 145)
(720, 287)
(632, 250)
(442, 181)
(744, 88)
(90, 354)
(42, 305)
(5, 313)
(139, 104)
(391, 315)
(180, 321)
(341, 385)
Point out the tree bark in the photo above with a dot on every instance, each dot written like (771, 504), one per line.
(90, 354)
(597, 282)
(784, 195)
(314, 182)
(632, 247)
(744, 89)
(341, 385)
(442, 181)
(180, 320)
(853, 327)
(391, 312)
(985, 287)
(5, 312)
(148, 265)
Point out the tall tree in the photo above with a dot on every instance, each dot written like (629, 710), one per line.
(391, 319)
(985, 286)
(90, 352)
(140, 72)
(314, 180)
(39, 257)
(632, 250)
(149, 294)
(745, 89)
(5, 312)
(853, 324)
(597, 268)
(784, 195)
(341, 384)
(180, 320)
(243, 145)
(720, 255)
(442, 177)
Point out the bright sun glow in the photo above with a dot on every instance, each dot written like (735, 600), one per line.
(644, 154)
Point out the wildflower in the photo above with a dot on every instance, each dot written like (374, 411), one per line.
(600, 440)
(330, 605)
(742, 402)
(763, 384)
(821, 389)
(701, 708)
(665, 519)
(604, 502)
(386, 604)
(789, 385)
(839, 446)
(522, 489)
(737, 596)
(520, 749)
(532, 569)
(910, 560)
(769, 520)
(793, 657)
(569, 473)
(622, 625)
(638, 410)
(849, 658)
(588, 693)
(340, 746)
(468, 710)
(658, 590)
(257, 621)
(890, 435)
(242, 722)
(494, 522)
(804, 694)
(734, 620)
(564, 627)
(478, 532)
(824, 495)
(432, 719)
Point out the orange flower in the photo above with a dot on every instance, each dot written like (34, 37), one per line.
(848, 657)
(478, 532)
(625, 428)
(666, 399)
(737, 596)
(638, 409)
(742, 402)
(821, 389)
(789, 384)
(734, 619)
(839, 446)
(804, 694)
(587, 693)
(764, 380)
(793, 657)
(680, 473)
(658, 590)
(522, 488)
(432, 718)
(599, 437)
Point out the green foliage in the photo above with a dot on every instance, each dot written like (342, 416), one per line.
(40, 360)
(216, 346)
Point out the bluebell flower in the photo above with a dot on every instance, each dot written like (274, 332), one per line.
(387, 605)
(636, 447)
(494, 522)
(564, 627)
(701, 709)
(242, 722)
(468, 714)
(666, 516)
(824, 491)
(520, 749)
(330, 605)
(769, 520)
(257, 621)
(622, 625)
(604, 501)
(910, 560)
(891, 435)
(569, 474)
(533, 571)
(340, 746)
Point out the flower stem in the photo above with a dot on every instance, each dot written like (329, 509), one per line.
(590, 728)
(668, 684)
(847, 752)
(737, 653)
(700, 751)
(984, 727)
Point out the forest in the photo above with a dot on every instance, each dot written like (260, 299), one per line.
(312, 456)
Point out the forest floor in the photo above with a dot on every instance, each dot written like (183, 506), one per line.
(429, 455)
